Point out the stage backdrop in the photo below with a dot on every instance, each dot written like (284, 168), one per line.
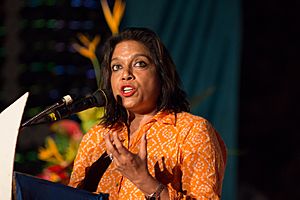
(204, 39)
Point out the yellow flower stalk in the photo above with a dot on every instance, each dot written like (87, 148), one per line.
(50, 153)
(89, 47)
(113, 19)
(89, 50)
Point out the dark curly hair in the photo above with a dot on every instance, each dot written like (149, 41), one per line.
(171, 99)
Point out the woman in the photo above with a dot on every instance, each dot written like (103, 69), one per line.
(158, 149)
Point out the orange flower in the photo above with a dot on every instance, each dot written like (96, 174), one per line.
(89, 47)
(113, 19)
(89, 50)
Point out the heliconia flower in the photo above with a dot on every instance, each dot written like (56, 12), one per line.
(51, 153)
(61, 150)
(89, 47)
(54, 173)
(113, 19)
(67, 127)
(89, 50)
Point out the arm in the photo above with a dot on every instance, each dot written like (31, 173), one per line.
(203, 162)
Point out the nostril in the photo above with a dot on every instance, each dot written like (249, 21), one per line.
(127, 77)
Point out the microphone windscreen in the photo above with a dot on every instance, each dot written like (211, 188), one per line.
(101, 97)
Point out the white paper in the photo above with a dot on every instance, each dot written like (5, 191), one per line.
(10, 120)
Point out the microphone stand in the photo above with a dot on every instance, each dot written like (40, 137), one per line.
(40, 115)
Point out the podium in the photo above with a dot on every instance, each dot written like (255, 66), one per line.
(27, 187)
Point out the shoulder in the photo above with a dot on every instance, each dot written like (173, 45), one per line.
(196, 128)
(201, 134)
(185, 119)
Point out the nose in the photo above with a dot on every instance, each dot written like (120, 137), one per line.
(127, 74)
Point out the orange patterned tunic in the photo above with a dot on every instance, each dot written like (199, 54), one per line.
(184, 152)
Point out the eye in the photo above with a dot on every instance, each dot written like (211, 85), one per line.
(140, 64)
(116, 67)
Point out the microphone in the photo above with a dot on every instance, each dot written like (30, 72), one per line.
(97, 99)
(66, 100)
(67, 106)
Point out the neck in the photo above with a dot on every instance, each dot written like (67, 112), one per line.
(137, 120)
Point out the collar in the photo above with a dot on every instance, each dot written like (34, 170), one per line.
(162, 116)
(165, 117)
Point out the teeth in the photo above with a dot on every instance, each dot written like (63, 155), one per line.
(127, 89)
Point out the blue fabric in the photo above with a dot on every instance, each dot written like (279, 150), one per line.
(203, 38)
(32, 188)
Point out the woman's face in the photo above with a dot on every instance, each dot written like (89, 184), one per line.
(134, 77)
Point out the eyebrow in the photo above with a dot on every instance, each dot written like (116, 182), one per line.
(134, 56)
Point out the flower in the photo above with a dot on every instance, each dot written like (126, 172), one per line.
(68, 127)
(54, 173)
(89, 50)
(113, 19)
(89, 47)
(61, 148)
(51, 153)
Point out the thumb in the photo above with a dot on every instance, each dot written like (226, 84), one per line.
(143, 148)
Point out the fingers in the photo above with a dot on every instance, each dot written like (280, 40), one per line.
(115, 146)
(143, 148)
(118, 144)
(119, 152)
(109, 146)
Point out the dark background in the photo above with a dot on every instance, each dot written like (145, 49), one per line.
(269, 156)
(268, 138)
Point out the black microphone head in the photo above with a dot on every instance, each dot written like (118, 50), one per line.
(101, 97)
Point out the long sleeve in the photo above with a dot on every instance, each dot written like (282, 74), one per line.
(203, 161)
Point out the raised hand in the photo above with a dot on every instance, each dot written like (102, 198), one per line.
(132, 166)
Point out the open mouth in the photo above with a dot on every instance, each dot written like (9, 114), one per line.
(127, 90)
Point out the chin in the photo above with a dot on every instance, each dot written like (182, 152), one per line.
(128, 105)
